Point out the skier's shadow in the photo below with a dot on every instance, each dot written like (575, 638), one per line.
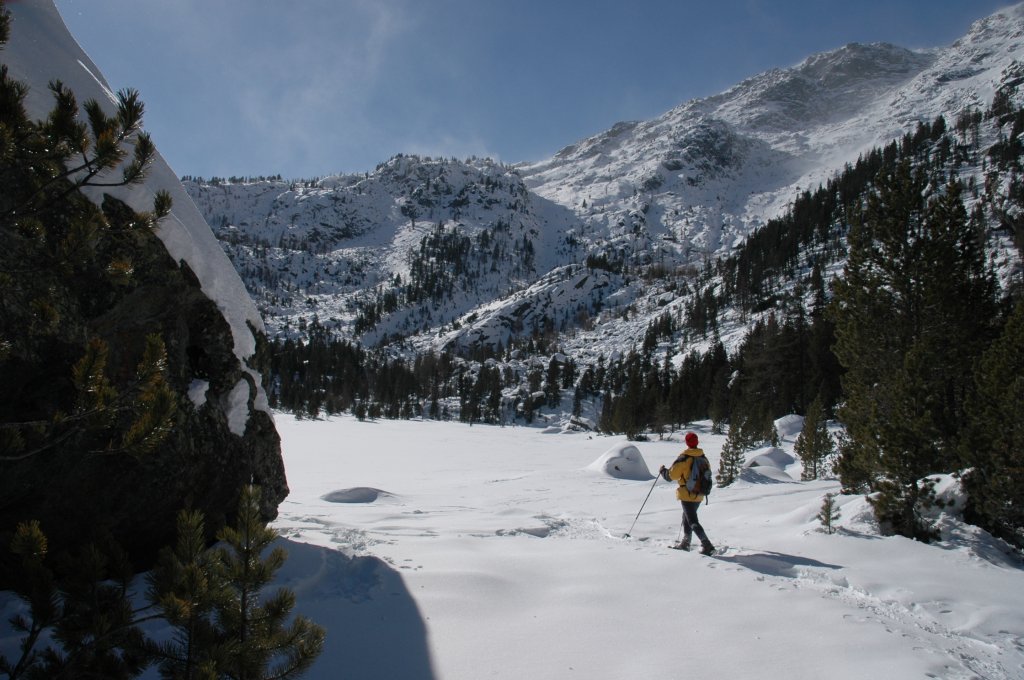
(776, 564)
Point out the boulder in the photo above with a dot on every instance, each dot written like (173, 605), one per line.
(100, 273)
(622, 461)
(204, 461)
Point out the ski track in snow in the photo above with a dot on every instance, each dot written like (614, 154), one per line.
(969, 657)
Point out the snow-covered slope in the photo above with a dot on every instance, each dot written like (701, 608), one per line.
(499, 552)
(40, 50)
(442, 236)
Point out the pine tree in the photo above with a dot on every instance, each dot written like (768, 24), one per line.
(552, 382)
(258, 643)
(814, 444)
(829, 513)
(914, 308)
(737, 443)
(185, 586)
(861, 309)
(84, 387)
(993, 441)
(80, 621)
(605, 421)
(98, 634)
(34, 583)
(59, 248)
(50, 231)
(718, 373)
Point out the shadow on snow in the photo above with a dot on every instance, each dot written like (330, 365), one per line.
(776, 564)
(374, 629)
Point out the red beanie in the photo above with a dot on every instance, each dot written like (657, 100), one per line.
(691, 439)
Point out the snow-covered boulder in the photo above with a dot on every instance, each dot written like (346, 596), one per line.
(789, 427)
(767, 465)
(357, 494)
(622, 461)
(183, 289)
(765, 475)
(770, 456)
(950, 496)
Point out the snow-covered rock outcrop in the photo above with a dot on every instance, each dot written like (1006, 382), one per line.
(186, 290)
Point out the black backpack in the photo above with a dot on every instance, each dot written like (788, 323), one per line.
(700, 480)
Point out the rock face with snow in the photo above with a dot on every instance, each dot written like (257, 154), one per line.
(185, 290)
(417, 243)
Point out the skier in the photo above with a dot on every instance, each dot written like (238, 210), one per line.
(680, 472)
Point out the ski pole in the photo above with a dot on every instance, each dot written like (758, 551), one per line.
(626, 535)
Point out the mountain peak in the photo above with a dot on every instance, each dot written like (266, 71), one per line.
(1007, 23)
(823, 88)
(858, 62)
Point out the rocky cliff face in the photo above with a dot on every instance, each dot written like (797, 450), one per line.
(180, 287)
(80, 491)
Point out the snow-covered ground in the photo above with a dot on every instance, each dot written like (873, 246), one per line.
(439, 550)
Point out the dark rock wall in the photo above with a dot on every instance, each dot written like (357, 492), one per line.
(77, 495)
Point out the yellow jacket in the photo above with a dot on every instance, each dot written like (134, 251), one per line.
(680, 472)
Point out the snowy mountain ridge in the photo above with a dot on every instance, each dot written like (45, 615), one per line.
(709, 171)
(666, 194)
(452, 235)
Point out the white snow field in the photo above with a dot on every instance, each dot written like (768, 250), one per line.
(440, 550)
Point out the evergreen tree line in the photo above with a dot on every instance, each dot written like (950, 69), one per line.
(234, 179)
(322, 374)
(916, 311)
(780, 368)
(931, 347)
(783, 364)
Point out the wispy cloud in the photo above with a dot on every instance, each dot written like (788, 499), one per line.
(305, 97)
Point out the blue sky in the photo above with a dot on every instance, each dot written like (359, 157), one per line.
(306, 88)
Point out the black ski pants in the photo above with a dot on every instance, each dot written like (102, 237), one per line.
(691, 525)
